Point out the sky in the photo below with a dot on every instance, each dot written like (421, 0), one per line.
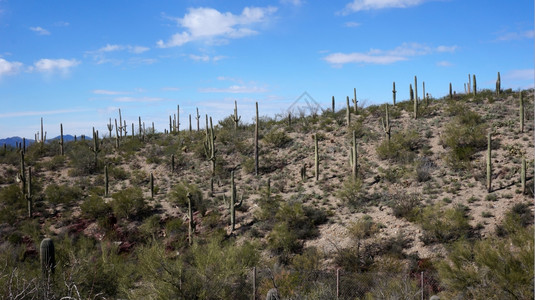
(78, 62)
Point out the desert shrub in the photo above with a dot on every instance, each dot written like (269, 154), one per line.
(363, 228)
(351, 193)
(179, 196)
(394, 287)
(128, 203)
(424, 167)
(277, 139)
(118, 173)
(12, 203)
(443, 225)
(494, 268)
(154, 154)
(283, 242)
(54, 164)
(519, 216)
(401, 148)
(404, 205)
(81, 159)
(64, 194)
(247, 164)
(463, 137)
(150, 228)
(95, 207)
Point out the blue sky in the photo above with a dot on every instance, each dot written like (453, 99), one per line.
(77, 62)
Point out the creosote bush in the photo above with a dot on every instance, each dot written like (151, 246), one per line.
(128, 203)
(401, 148)
(443, 225)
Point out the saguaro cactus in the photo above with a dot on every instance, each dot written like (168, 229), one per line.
(29, 194)
(110, 128)
(197, 117)
(303, 172)
(394, 93)
(521, 112)
(209, 146)
(61, 145)
(355, 99)
(48, 257)
(523, 175)
(353, 156)
(178, 118)
(316, 157)
(96, 146)
(21, 177)
(489, 164)
(256, 142)
(386, 124)
(348, 113)
(451, 92)
(233, 205)
(235, 117)
(498, 85)
(151, 185)
(332, 105)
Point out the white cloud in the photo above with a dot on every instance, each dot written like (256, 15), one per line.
(108, 92)
(112, 48)
(8, 68)
(53, 65)
(377, 56)
(206, 58)
(208, 24)
(61, 24)
(292, 2)
(40, 30)
(509, 36)
(169, 88)
(359, 5)
(234, 89)
(138, 99)
(138, 49)
(525, 74)
(444, 63)
(351, 24)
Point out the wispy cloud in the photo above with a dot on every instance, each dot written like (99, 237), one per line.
(171, 89)
(61, 65)
(101, 55)
(525, 74)
(108, 92)
(292, 2)
(9, 68)
(40, 30)
(129, 48)
(40, 113)
(61, 24)
(208, 24)
(359, 5)
(138, 99)
(235, 89)
(444, 63)
(377, 56)
(206, 58)
(351, 24)
(510, 36)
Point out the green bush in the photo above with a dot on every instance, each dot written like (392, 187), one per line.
(351, 193)
(443, 225)
(404, 205)
(62, 194)
(401, 148)
(277, 139)
(463, 137)
(82, 159)
(179, 196)
(128, 203)
(95, 207)
(363, 228)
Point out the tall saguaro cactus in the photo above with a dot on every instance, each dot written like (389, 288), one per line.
(21, 177)
(353, 156)
(233, 205)
(96, 146)
(523, 175)
(386, 124)
(355, 102)
(29, 194)
(498, 85)
(332, 105)
(48, 257)
(61, 145)
(316, 157)
(209, 146)
(198, 117)
(348, 113)
(151, 185)
(521, 112)
(106, 181)
(110, 127)
(394, 93)
(489, 164)
(256, 142)
(451, 92)
(235, 117)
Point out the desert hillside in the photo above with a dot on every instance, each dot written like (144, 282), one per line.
(179, 213)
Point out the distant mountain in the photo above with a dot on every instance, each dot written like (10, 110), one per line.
(12, 141)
